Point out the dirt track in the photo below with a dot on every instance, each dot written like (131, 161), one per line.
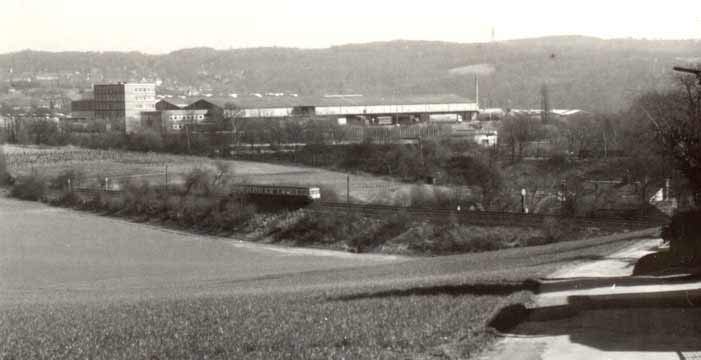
(598, 311)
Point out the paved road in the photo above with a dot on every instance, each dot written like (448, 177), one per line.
(610, 321)
(47, 252)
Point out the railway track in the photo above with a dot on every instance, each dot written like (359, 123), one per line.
(488, 218)
(484, 218)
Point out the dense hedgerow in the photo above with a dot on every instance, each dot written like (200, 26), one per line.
(29, 187)
(4, 173)
(198, 206)
(404, 234)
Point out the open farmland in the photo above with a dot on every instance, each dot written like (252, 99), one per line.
(75, 285)
(120, 166)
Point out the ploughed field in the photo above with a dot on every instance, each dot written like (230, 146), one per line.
(77, 285)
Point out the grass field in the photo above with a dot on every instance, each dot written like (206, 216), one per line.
(75, 285)
(120, 166)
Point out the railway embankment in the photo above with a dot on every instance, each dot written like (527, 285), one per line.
(200, 206)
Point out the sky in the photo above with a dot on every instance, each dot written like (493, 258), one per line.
(161, 26)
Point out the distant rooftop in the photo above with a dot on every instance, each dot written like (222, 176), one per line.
(255, 102)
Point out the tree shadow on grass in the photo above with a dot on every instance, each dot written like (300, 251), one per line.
(661, 321)
(453, 290)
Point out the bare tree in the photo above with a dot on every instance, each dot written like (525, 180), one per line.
(516, 131)
(676, 118)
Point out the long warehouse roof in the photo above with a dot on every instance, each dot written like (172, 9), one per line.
(254, 102)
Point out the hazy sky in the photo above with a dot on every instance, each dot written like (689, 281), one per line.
(158, 26)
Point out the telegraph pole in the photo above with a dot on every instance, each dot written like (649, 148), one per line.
(545, 104)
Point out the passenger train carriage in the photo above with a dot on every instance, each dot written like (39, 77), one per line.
(310, 193)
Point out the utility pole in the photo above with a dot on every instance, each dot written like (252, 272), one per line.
(187, 135)
(545, 104)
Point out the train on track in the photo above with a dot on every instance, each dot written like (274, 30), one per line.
(310, 193)
(299, 193)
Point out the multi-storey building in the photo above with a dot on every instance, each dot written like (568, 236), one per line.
(120, 105)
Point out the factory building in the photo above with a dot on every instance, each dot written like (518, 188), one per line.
(168, 104)
(120, 105)
(83, 109)
(356, 109)
(177, 120)
(130, 106)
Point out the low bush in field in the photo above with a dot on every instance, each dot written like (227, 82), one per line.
(401, 233)
(558, 229)
(449, 237)
(66, 178)
(5, 177)
(316, 228)
(389, 229)
(29, 187)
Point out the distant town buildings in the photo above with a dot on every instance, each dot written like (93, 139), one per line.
(131, 107)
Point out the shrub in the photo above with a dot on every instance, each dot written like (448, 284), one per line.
(68, 198)
(229, 215)
(146, 140)
(394, 226)
(61, 180)
(315, 228)
(139, 197)
(450, 237)
(198, 182)
(4, 174)
(684, 236)
(29, 187)
(554, 229)
(473, 171)
(558, 162)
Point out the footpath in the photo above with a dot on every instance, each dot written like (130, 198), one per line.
(598, 310)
